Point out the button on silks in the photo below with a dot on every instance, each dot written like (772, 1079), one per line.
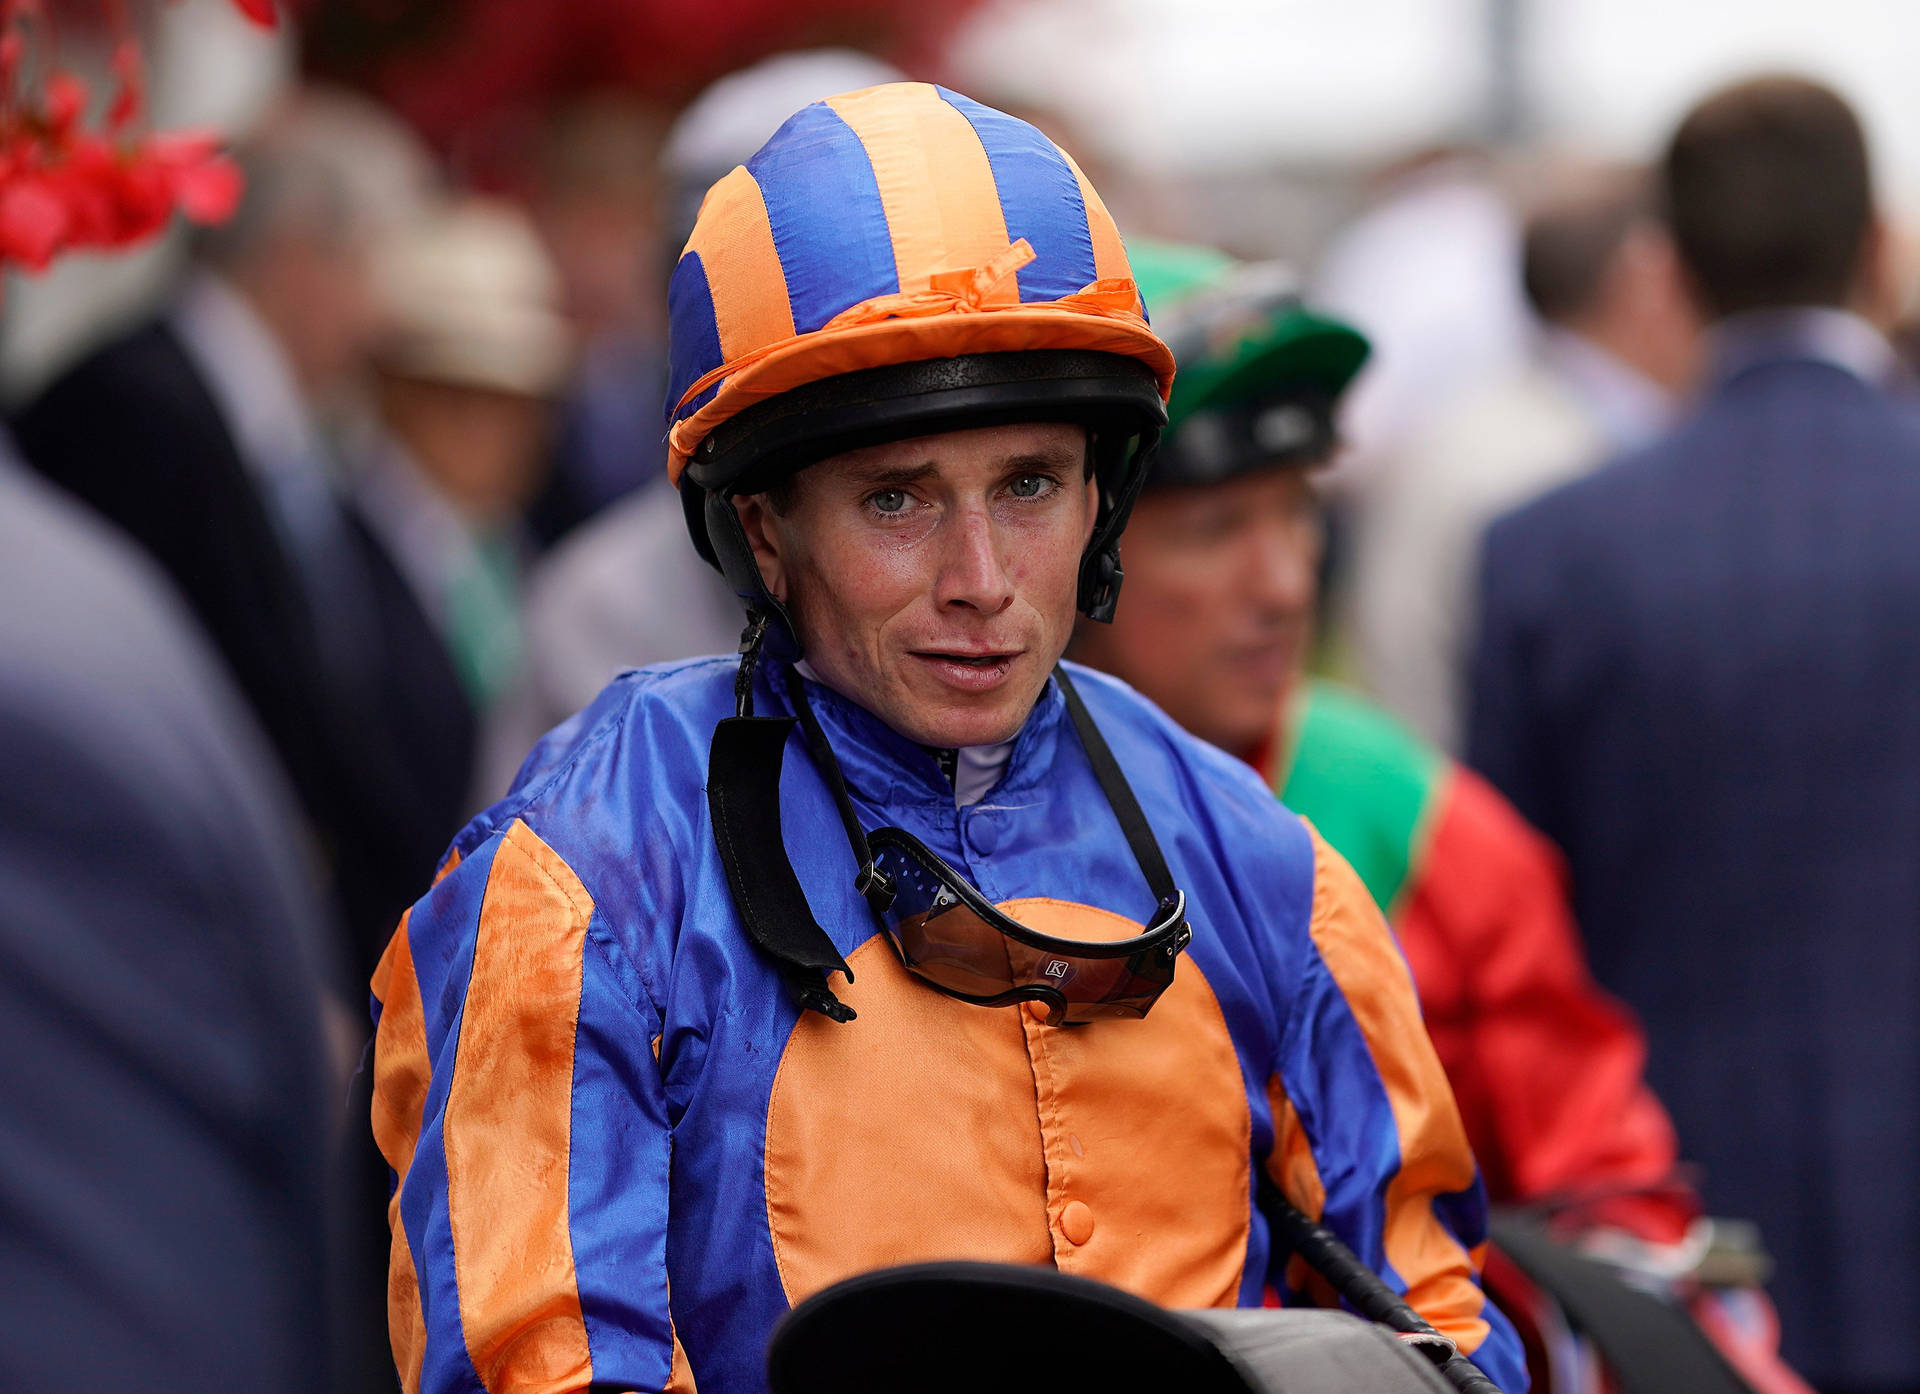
(1076, 1222)
(1038, 1010)
(983, 834)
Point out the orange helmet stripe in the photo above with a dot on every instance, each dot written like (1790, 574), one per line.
(1109, 252)
(936, 186)
(750, 304)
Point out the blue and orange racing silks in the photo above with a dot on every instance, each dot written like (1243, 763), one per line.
(623, 1152)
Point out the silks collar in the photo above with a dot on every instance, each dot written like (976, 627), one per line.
(885, 769)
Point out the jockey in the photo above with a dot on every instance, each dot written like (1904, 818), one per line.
(893, 939)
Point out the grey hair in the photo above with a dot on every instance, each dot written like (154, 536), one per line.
(326, 164)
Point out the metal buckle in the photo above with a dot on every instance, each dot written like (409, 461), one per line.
(875, 885)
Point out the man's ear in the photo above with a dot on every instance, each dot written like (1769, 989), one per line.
(1879, 291)
(1093, 510)
(763, 535)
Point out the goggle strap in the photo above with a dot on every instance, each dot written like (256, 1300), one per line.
(871, 878)
(1126, 808)
(743, 799)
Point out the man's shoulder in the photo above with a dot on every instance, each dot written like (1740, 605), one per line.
(1339, 722)
(642, 741)
(1596, 512)
(146, 363)
(1638, 500)
(1366, 781)
(1164, 761)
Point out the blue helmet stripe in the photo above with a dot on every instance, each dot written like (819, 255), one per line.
(693, 335)
(829, 227)
(1040, 199)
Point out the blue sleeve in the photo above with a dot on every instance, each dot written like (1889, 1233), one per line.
(1367, 1138)
(518, 1099)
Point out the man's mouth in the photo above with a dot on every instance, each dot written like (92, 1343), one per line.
(971, 660)
(968, 670)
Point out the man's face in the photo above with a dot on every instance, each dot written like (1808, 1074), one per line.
(1215, 614)
(934, 580)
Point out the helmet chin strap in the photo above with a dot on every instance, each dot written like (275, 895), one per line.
(742, 570)
(1100, 572)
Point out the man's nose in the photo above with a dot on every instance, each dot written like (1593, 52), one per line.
(973, 572)
(1281, 568)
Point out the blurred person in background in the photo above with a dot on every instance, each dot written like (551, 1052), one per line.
(201, 435)
(1696, 671)
(474, 354)
(1426, 273)
(597, 200)
(166, 1217)
(622, 592)
(1222, 558)
(1618, 341)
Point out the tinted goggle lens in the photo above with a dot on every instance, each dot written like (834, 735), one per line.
(950, 937)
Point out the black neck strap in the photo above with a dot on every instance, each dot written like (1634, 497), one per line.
(1126, 808)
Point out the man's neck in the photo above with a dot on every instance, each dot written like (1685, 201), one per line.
(973, 770)
(1817, 333)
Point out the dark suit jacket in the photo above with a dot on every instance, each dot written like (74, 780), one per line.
(164, 1124)
(381, 758)
(1698, 670)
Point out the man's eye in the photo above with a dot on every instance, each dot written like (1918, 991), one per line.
(888, 500)
(1029, 486)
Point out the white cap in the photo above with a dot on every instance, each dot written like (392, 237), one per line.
(739, 113)
(473, 300)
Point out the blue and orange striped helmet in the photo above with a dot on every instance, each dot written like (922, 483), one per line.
(894, 262)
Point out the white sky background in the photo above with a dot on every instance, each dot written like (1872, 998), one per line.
(1190, 84)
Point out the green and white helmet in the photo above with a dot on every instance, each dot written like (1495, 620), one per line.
(1260, 374)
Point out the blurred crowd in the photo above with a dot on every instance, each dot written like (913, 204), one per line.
(297, 569)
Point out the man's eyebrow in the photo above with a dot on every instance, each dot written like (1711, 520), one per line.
(891, 476)
(1060, 458)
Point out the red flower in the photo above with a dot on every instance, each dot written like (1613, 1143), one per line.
(203, 182)
(63, 186)
(33, 222)
(261, 12)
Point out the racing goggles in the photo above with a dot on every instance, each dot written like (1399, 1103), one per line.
(954, 939)
(948, 934)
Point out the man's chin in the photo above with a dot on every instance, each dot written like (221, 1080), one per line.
(937, 716)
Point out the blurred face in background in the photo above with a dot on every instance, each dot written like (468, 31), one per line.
(315, 291)
(486, 449)
(934, 581)
(1216, 611)
(1641, 311)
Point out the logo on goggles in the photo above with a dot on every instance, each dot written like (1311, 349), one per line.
(1058, 968)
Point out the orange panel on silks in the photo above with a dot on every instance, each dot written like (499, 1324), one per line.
(402, 1072)
(508, 1120)
(1122, 1153)
(1434, 1157)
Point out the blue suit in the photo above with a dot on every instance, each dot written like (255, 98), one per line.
(1698, 670)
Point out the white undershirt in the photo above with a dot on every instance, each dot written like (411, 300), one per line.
(977, 769)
